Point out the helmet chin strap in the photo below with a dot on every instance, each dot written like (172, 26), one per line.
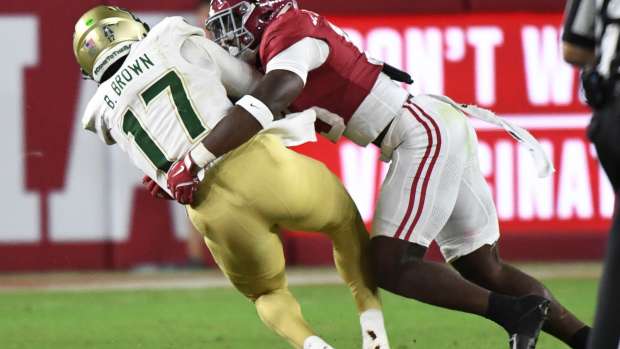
(285, 9)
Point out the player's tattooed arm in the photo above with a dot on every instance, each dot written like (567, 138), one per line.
(276, 90)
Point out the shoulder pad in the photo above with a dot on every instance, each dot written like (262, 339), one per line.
(177, 26)
(290, 23)
(287, 30)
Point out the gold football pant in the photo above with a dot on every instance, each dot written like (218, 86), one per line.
(252, 193)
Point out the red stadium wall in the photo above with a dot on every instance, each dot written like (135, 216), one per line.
(70, 203)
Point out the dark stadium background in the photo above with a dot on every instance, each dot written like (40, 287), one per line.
(70, 204)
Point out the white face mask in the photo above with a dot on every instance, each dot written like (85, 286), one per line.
(229, 31)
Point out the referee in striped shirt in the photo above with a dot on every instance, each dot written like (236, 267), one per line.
(591, 40)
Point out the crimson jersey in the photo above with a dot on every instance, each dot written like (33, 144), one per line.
(342, 83)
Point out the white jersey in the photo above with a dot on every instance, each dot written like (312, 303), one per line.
(169, 93)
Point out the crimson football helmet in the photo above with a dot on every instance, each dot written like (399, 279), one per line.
(238, 25)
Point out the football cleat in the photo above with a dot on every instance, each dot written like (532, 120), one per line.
(530, 322)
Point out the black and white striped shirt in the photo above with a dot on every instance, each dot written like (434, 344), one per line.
(595, 24)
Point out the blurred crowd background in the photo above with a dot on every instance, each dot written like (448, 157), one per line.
(70, 204)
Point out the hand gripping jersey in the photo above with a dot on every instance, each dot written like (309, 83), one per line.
(169, 93)
(348, 83)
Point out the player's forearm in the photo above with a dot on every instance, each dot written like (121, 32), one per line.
(278, 90)
(275, 92)
(234, 130)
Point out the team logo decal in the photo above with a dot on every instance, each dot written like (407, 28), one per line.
(109, 33)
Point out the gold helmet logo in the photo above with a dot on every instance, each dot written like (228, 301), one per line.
(102, 36)
(109, 33)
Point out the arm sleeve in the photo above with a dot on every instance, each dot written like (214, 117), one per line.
(95, 122)
(301, 58)
(238, 77)
(579, 23)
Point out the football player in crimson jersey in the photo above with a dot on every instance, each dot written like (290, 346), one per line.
(434, 189)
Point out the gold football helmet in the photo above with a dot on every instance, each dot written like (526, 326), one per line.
(102, 36)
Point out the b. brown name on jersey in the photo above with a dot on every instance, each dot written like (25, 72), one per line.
(127, 74)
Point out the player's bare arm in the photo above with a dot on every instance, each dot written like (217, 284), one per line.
(277, 90)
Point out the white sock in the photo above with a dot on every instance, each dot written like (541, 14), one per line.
(372, 320)
(315, 342)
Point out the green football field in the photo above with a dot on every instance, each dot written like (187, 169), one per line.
(221, 318)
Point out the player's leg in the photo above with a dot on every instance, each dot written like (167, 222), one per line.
(401, 269)
(606, 332)
(351, 248)
(299, 193)
(603, 132)
(317, 201)
(249, 252)
(469, 241)
(417, 199)
(485, 268)
(252, 258)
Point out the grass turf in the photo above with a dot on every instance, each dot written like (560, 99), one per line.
(221, 318)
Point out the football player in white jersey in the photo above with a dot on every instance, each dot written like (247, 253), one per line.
(161, 91)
